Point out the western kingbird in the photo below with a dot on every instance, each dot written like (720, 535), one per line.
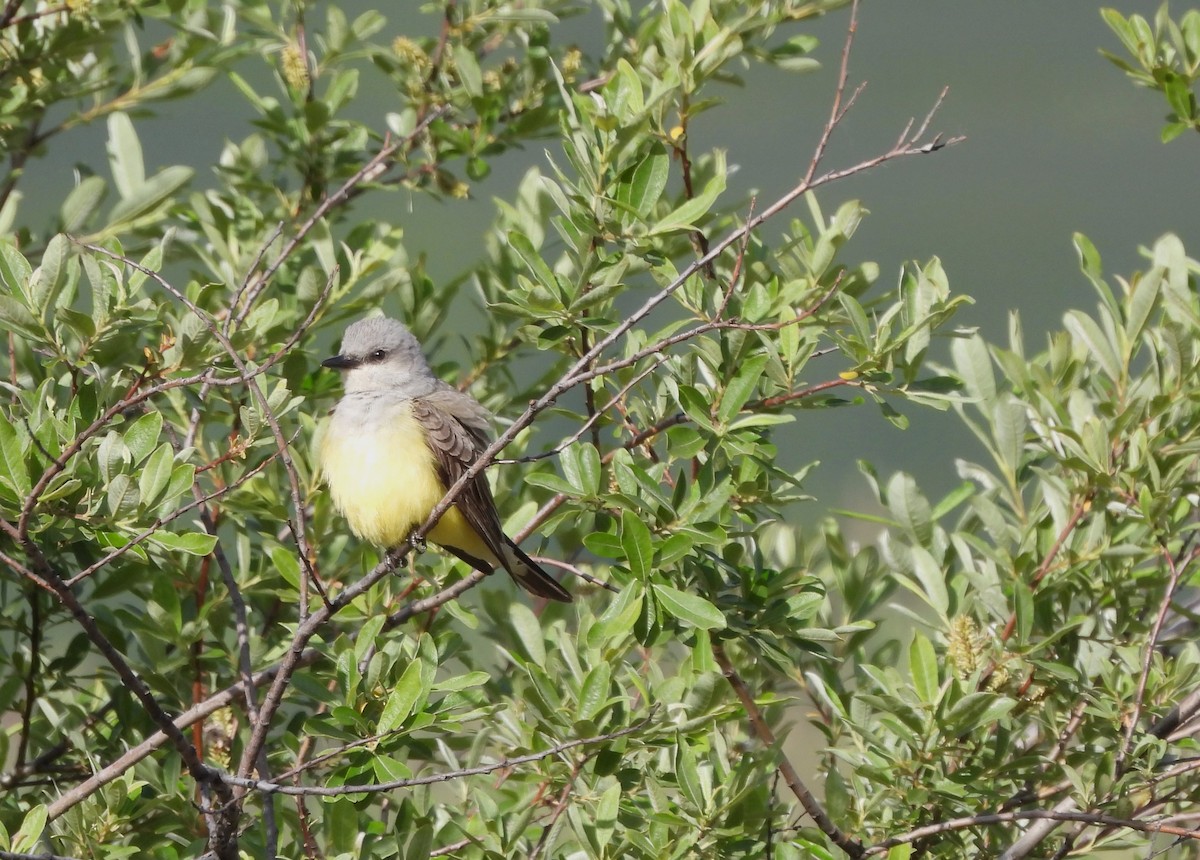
(398, 438)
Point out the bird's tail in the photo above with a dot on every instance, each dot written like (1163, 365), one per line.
(530, 576)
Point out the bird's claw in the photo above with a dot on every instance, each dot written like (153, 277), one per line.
(418, 544)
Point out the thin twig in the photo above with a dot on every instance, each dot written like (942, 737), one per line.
(592, 419)
(46, 577)
(244, 663)
(1081, 507)
(298, 527)
(582, 574)
(159, 522)
(1095, 819)
(764, 733)
(369, 172)
(432, 779)
(33, 16)
(1148, 652)
(836, 112)
(452, 848)
(31, 673)
(560, 806)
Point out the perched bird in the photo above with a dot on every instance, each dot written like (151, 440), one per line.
(398, 438)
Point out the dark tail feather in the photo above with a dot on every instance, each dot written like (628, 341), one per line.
(530, 576)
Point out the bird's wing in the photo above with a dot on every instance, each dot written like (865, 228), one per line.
(456, 433)
(456, 428)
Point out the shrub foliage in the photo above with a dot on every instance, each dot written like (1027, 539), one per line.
(197, 658)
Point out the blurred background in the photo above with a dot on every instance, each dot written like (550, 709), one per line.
(1058, 140)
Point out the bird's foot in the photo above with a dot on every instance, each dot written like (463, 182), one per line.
(418, 544)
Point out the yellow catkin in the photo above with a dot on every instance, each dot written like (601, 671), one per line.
(295, 67)
(410, 53)
(965, 647)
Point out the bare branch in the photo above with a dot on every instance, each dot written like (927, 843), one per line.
(836, 112)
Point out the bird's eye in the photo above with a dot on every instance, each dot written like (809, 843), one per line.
(378, 355)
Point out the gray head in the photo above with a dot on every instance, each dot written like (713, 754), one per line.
(381, 353)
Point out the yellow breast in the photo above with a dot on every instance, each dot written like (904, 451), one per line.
(380, 472)
(384, 479)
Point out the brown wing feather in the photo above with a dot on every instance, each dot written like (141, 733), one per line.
(456, 429)
(455, 448)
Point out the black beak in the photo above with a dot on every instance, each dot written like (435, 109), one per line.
(341, 362)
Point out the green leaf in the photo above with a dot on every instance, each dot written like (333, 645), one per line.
(618, 619)
(607, 809)
(974, 367)
(689, 608)
(148, 197)
(922, 665)
(630, 101)
(1085, 330)
(468, 70)
(420, 846)
(1009, 420)
(287, 564)
(953, 499)
(604, 545)
(368, 632)
(551, 482)
(691, 211)
(15, 316)
(8, 217)
(1023, 610)
(529, 255)
(14, 270)
(50, 278)
(463, 682)
(976, 710)
(688, 773)
(593, 693)
(125, 155)
(81, 203)
(1140, 304)
(156, 474)
(402, 699)
(674, 548)
(741, 387)
(910, 507)
(529, 632)
(12, 459)
(194, 543)
(122, 495)
(142, 436)
(837, 798)
(183, 475)
(581, 466)
(635, 540)
(32, 826)
(933, 582)
(647, 182)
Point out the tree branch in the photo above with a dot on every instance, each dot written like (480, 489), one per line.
(503, 764)
(763, 732)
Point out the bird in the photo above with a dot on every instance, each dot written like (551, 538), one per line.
(398, 439)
